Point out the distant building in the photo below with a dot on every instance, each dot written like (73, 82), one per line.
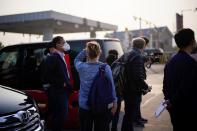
(160, 37)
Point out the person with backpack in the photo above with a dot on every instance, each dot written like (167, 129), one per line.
(91, 105)
(135, 83)
(139, 120)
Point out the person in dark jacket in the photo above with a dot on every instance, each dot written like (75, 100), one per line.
(180, 85)
(56, 80)
(112, 56)
(135, 83)
(139, 120)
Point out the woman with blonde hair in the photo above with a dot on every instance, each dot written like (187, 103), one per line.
(87, 71)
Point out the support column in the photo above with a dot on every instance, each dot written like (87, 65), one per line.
(92, 34)
(47, 34)
(151, 40)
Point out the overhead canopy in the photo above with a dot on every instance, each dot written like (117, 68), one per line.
(40, 22)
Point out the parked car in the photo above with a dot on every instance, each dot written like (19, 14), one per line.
(153, 51)
(20, 69)
(18, 112)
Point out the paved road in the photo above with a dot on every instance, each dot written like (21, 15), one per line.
(151, 101)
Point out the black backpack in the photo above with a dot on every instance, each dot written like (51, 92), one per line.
(100, 97)
(120, 72)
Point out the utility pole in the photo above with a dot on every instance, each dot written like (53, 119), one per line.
(140, 24)
(179, 18)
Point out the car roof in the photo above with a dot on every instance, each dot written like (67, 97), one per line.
(46, 42)
(89, 39)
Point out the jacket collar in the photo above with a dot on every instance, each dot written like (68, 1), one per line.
(137, 50)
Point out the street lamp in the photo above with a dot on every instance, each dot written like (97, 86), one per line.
(179, 18)
(186, 10)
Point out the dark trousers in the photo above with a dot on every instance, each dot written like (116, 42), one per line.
(138, 115)
(58, 106)
(130, 110)
(116, 116)
(100, 121)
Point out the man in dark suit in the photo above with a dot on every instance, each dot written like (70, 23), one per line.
(180, 83)
(56, 80)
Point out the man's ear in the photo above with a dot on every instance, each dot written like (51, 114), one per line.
(58, 45)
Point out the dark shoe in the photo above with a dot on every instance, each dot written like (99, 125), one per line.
(138, 124)
(142, 120)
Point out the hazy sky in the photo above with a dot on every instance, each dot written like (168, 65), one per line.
(118, 12)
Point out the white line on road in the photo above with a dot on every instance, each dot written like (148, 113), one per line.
(148, 100)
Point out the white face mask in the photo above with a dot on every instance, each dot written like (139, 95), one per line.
(66, 46)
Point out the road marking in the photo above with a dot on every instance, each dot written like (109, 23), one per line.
(148, 100)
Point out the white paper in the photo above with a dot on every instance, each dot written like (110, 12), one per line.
(160, 109)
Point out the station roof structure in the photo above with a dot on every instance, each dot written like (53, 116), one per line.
(58, 23)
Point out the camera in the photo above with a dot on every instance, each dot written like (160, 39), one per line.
(145, 91)
(152, 56)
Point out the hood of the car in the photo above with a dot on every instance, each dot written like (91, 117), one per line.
(12, 101)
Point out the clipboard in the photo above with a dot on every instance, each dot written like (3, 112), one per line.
(160, 109)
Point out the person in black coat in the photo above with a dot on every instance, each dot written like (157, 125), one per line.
(180, 84)
(56, 82)
(135, 83)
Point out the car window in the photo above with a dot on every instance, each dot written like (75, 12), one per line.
(77, 46)
(8, 59)
(32, 67)
(37, 54)
(115, 45)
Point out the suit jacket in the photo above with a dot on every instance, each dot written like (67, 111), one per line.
(180, 82)
(55, 72)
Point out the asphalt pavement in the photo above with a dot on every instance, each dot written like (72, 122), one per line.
(151, 101)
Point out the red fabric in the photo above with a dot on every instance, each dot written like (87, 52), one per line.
(67, 59)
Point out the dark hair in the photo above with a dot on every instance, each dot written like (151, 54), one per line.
(183, 37)
(113, 52)
(146, 39)
(55, 41)
(110, 59)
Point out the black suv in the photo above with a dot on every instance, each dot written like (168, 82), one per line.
(20, 69)
(18, 112)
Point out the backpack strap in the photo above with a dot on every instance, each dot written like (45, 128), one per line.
(102, 67)
(130, 57)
